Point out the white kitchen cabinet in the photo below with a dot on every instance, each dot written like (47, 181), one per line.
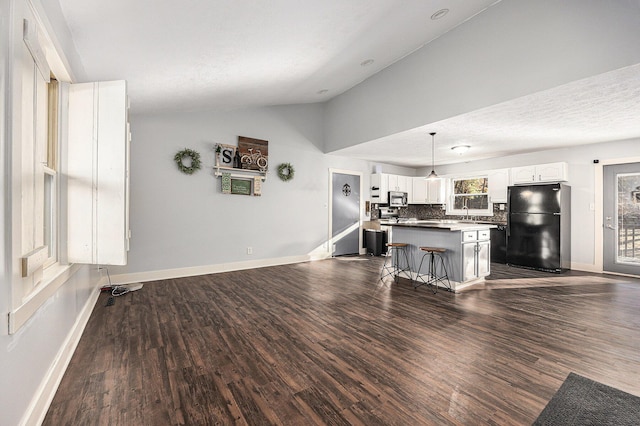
(476, 249)
(98, 173)
(393, 182)
(382, 183)
(379, 188)
(419, 193)
(427, 191)
(404, 184)
(435, 191)
(498, 184)
(399, 183)
(550, 172)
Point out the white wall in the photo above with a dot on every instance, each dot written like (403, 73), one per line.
(184, 221)
(582, 179)
(515, 48)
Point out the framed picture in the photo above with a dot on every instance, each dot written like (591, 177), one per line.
(241, 186)
(226, 155)
(254, 153)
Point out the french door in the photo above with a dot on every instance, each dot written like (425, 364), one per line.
(621, 213)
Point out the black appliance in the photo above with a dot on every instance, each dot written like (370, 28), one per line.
(375, 241)
(539, 227)
(499, 244)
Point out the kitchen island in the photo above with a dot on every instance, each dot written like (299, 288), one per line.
(468, 244)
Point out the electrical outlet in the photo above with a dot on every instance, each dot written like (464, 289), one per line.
(249, 250)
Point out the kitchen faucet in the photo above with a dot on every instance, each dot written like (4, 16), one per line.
(465, 207)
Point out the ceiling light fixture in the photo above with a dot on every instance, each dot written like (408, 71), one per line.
(439, 14)
(460, 149)
(433, 174)
(366, 63)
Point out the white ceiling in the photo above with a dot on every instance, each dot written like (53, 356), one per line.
(597, 109)
(242, 53)
(237, 53)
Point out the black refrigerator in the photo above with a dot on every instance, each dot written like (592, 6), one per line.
(539, 227)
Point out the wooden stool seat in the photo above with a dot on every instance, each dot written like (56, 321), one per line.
(397, 244)
(434, 249)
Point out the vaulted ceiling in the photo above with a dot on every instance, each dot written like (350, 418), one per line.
(232, 54)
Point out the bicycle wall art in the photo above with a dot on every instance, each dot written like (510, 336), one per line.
(254, 153)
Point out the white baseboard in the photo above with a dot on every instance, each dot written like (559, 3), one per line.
(41, 401)
(164, 274)
(585, 267)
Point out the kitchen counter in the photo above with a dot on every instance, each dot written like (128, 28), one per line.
(452, 225)
(468, 245)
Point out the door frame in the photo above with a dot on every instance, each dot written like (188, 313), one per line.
(333, 171)
(599, 205)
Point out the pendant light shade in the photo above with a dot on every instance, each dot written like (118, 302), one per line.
(433, 174)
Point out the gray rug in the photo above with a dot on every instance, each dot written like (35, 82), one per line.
(581, 401)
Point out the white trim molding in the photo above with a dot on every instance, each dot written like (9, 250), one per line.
(330, 239)
(41, 401)
(599, 205)
(192, 271)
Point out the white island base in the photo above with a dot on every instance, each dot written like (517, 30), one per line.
(468, 245)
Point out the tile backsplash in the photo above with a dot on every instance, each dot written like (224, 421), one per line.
(435, 211)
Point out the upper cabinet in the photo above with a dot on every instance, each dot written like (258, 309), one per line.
(551, 172)
(379, 188)
(498, 184)
(98, 173)
(399, 183)
(426, 191)
(382, 183)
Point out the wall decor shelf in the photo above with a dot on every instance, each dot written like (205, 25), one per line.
(240, 173)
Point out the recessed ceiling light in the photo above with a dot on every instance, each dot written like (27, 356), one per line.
(366, 63)
(439, 14)
(322, 91)
(460, 149)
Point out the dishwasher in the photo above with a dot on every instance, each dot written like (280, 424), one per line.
(499, 244)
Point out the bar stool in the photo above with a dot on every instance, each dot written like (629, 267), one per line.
(432, 276)
(392, 260)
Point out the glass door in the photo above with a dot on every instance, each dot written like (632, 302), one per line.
(621, 213)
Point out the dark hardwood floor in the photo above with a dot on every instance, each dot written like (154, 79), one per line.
(322, 343)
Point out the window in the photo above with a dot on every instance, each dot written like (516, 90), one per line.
(36, 148)
(469, 196)
(51, 177)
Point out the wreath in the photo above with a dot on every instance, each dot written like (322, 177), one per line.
(286, 172)
(195, 160)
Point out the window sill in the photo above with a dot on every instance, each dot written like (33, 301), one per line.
(53, 278)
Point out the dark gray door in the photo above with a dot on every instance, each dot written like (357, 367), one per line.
(621, 213)
(345, 214)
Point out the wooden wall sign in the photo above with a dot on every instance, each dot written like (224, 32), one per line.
(254, 153)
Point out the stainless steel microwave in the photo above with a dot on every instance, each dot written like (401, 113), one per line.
(397, 199)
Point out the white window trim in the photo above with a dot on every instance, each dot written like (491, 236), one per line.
(53, 259)
(464, 212)
(25, 304)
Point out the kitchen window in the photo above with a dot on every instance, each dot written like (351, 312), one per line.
(469, 196)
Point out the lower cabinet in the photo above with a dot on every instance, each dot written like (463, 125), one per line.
(476, 254)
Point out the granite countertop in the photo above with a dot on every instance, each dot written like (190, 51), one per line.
(452, 225)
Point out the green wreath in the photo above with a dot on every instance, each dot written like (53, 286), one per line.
(286, 172)
(195, 160)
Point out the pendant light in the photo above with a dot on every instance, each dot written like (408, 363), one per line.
(433, 174)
